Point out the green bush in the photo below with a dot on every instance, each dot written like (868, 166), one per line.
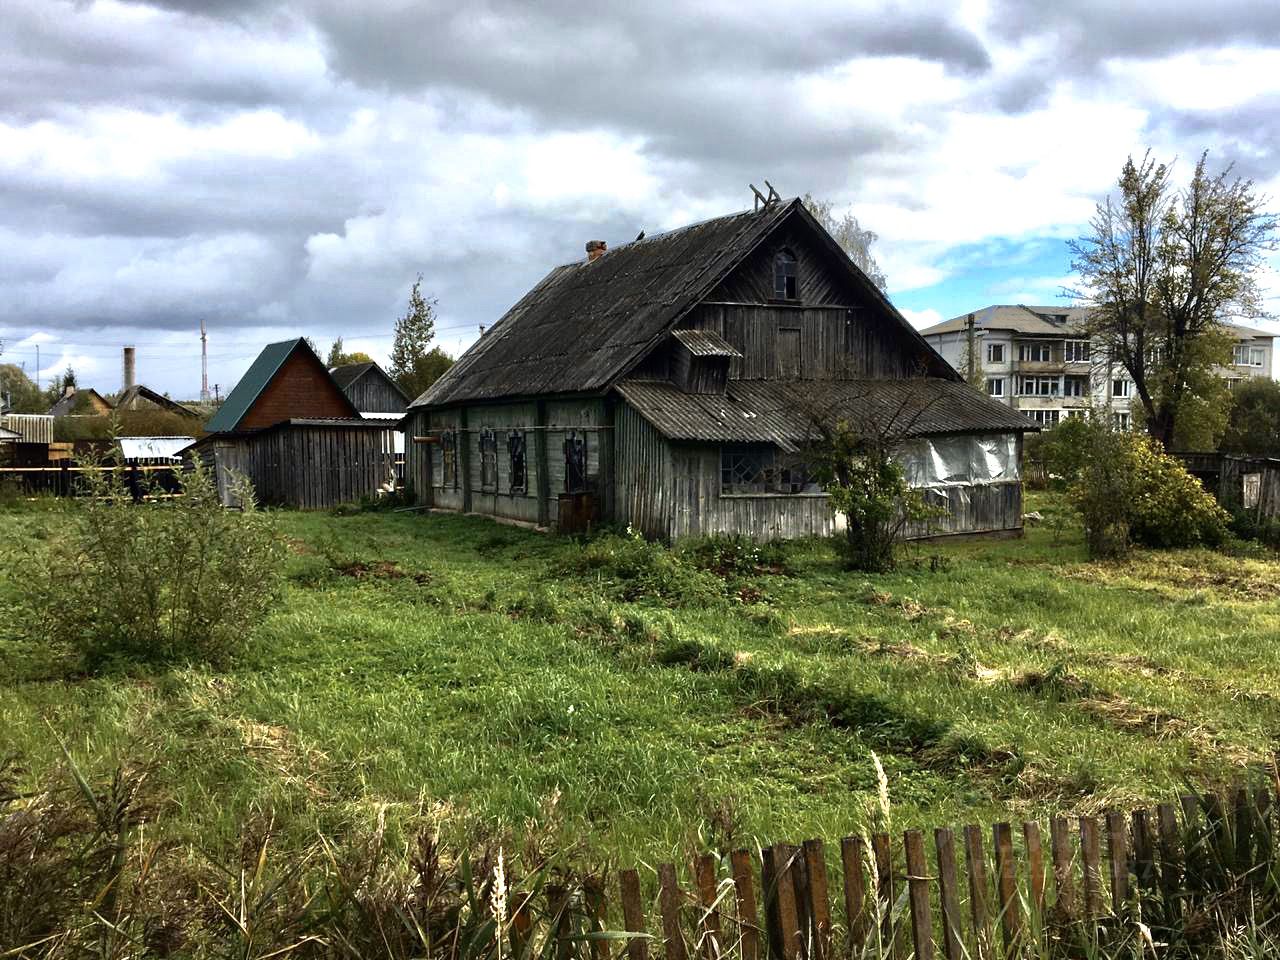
(1130, 491)
(174, 580)
(729, 555)
(637, 569)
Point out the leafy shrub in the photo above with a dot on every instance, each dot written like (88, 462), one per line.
(167, 581)
(1128, 491)
(1248, 526)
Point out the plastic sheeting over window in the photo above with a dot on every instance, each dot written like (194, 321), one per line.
(961, 460)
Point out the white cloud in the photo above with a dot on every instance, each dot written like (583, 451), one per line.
(922, 318)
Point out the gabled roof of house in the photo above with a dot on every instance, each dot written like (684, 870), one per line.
(66, 406)
(255, 380)
(347, 374)
(783, 412)
(586, 323)
(7, 435)
(128, 400)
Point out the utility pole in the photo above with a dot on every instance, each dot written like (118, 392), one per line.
(973, 360)
(204, 363)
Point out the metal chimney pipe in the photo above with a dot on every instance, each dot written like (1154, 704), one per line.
(129, 367)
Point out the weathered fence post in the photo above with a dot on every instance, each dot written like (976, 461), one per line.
(976, 864)
(748, 913)
(704, 872)
(632, 914)
(918, 893)
(669, 903)
(1118, 858)
(948, 894)
(819, 898)
(1064, 904)
(1007, 885)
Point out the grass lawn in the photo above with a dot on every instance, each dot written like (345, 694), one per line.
(505, 684)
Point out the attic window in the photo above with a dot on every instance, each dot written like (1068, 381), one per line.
(785, 284)
(488, 460)
(516, 450)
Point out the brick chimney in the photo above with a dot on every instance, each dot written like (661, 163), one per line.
(595, 250)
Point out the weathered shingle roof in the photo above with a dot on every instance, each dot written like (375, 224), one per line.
(586, 322)
(782, 412)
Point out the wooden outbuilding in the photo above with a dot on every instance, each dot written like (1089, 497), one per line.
(81, 403)
(670, 384)
(290, 429)
(369, 387)
(143, 398)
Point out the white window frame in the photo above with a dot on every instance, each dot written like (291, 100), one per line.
(1125, 391)
(1039, 380)
(1072, 349)
(1122, 419)
(995, 386)
(1036, 347)
(1083, 383)
(992, 350)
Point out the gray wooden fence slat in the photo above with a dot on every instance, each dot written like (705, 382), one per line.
(669, 897)
(1118, 860)
(1064, 903)
(853, 857)
(748, 913)
(976, 866)
(948, 894)
(918, 894)
(819, 898)
(1007, 884)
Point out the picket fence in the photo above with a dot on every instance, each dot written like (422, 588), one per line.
(1207, 857)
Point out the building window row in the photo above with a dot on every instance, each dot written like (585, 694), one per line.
(575, 460)
(1246, 356)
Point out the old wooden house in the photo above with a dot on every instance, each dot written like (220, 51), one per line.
(671, 382)
(295, 435)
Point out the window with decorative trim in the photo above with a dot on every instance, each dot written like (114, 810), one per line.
(575, 463)
(516, 452)
(449, 459)
(756, 468)
(488, 460)
(786, 282)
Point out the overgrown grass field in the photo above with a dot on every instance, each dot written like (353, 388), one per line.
(618, 700)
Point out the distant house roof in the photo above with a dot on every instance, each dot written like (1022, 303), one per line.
(66, 406)
(588, 322)
(347, 374)
(7, 435)
(1049, 321)
(138, 397)
(256, 379)
(782, 412)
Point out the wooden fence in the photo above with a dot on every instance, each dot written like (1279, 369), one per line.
(1013, 891)
(64, 480)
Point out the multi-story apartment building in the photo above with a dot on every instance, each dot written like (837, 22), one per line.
(1039, 360)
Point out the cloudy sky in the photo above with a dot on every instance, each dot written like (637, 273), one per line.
(289, 169)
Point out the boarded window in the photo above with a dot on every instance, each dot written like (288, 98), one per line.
(786, 284)
(488, 460)
(449, 459)
(575, 463)
(789, 345)
(516, 451)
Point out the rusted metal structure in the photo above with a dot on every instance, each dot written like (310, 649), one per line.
(673, 381)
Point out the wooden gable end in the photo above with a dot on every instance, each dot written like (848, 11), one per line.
(835, 327)
(819, 280)
(301, 387)
(375, 392)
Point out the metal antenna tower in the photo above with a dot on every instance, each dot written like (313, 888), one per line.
(204, 363)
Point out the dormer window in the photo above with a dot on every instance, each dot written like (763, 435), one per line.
(785, 284)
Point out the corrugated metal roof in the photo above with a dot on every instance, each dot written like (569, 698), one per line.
(706, 343)
(249, 386)
(255, 380)
(9, 435)
(154, 448)
(783, 412)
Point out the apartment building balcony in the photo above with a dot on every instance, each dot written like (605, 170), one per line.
(1041, 366)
